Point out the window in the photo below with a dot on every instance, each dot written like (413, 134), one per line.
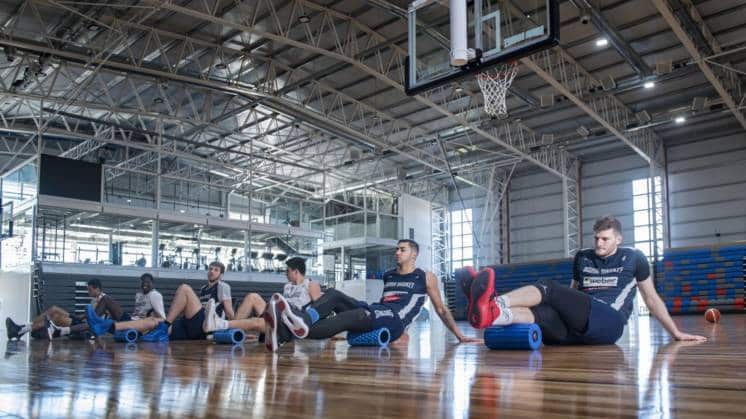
(462, 250)
(647, 203)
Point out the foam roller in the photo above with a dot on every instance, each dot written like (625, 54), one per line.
(376, 337)
(230, 336)
(516, 336)
(128, 336)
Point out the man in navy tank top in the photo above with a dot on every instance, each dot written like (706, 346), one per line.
(593, 310)
(405, 291)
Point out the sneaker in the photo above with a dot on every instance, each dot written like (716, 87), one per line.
(159, 334)
(211, 316)
(484, 309)
(465, 277)
(295, 322)
(96, 324)
(13, 329)
(270, 334)
(50, 327)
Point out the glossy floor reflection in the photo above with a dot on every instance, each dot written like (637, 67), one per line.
(643, 375)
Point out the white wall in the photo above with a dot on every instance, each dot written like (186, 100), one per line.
(707, 191)
(606, 189)
(536, 218)
(706, 198)
(15, 296)
(416, 214)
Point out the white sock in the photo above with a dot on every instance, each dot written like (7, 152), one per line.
(64, 331)
(25, 329)
(221, 324)
(505, 318)
(503, 301)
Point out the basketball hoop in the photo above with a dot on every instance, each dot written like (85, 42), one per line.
(494, 83)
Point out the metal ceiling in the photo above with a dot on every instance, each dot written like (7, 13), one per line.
(297, 97)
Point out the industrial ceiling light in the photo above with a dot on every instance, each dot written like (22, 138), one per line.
(158, 100)
(304, 18)
(602, 42)
(649, 84)
(679, 120)
(221, 66)
(93, 27)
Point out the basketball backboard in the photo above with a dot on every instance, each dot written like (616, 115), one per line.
(496, 31)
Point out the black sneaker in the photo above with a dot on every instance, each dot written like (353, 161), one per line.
(14, 330)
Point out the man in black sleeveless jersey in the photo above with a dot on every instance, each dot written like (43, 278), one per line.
(593, 310)
(216, 294)
(406, 289)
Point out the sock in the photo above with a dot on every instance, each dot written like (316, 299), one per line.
(64, 331)
(221, 324)
(24, 329)
(503, 301)
(505, 318)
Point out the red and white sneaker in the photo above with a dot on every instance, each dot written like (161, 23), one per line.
(484, 310)
(294, 322)
(464, 278)
(270, 319)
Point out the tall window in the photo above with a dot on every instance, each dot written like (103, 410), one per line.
(462, 247)
(648, 215)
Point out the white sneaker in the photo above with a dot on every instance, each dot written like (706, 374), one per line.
(51, 327)
(211, 317)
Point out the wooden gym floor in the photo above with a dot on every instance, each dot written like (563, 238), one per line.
(643, 375)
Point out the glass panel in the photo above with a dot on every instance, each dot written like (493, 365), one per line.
(641, 218)
(467, 228)
(640, 187)
(456, 217)
(640, 202)
(457, 241)
(642, 233)
(468, 253)
(456, 229)
(457, 254)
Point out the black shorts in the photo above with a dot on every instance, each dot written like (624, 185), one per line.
(384, 316)
(188, 329)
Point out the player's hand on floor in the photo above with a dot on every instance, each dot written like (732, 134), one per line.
(688, 337)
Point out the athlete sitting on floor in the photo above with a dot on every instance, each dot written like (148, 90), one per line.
(593, 310)
(406, 289)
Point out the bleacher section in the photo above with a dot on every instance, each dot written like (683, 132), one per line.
(693, 279)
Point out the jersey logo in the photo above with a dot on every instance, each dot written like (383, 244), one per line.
(391, 298)
(600, 281)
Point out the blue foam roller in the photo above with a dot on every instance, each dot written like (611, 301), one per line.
(128, 336)
(377, 337)
(231, 336)
(516, 336)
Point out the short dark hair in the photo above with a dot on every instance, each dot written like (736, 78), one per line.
(412, 244)
(606, 222)
(94, 283)
(147, 276)
(297, 263)
(219, 265)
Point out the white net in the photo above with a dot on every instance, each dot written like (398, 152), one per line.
(494, 83)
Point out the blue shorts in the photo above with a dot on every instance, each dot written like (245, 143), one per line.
(384, 316)
(605, 325)
(188, 329)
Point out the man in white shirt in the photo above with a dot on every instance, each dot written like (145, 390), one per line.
(299, 291)
(149, 302)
